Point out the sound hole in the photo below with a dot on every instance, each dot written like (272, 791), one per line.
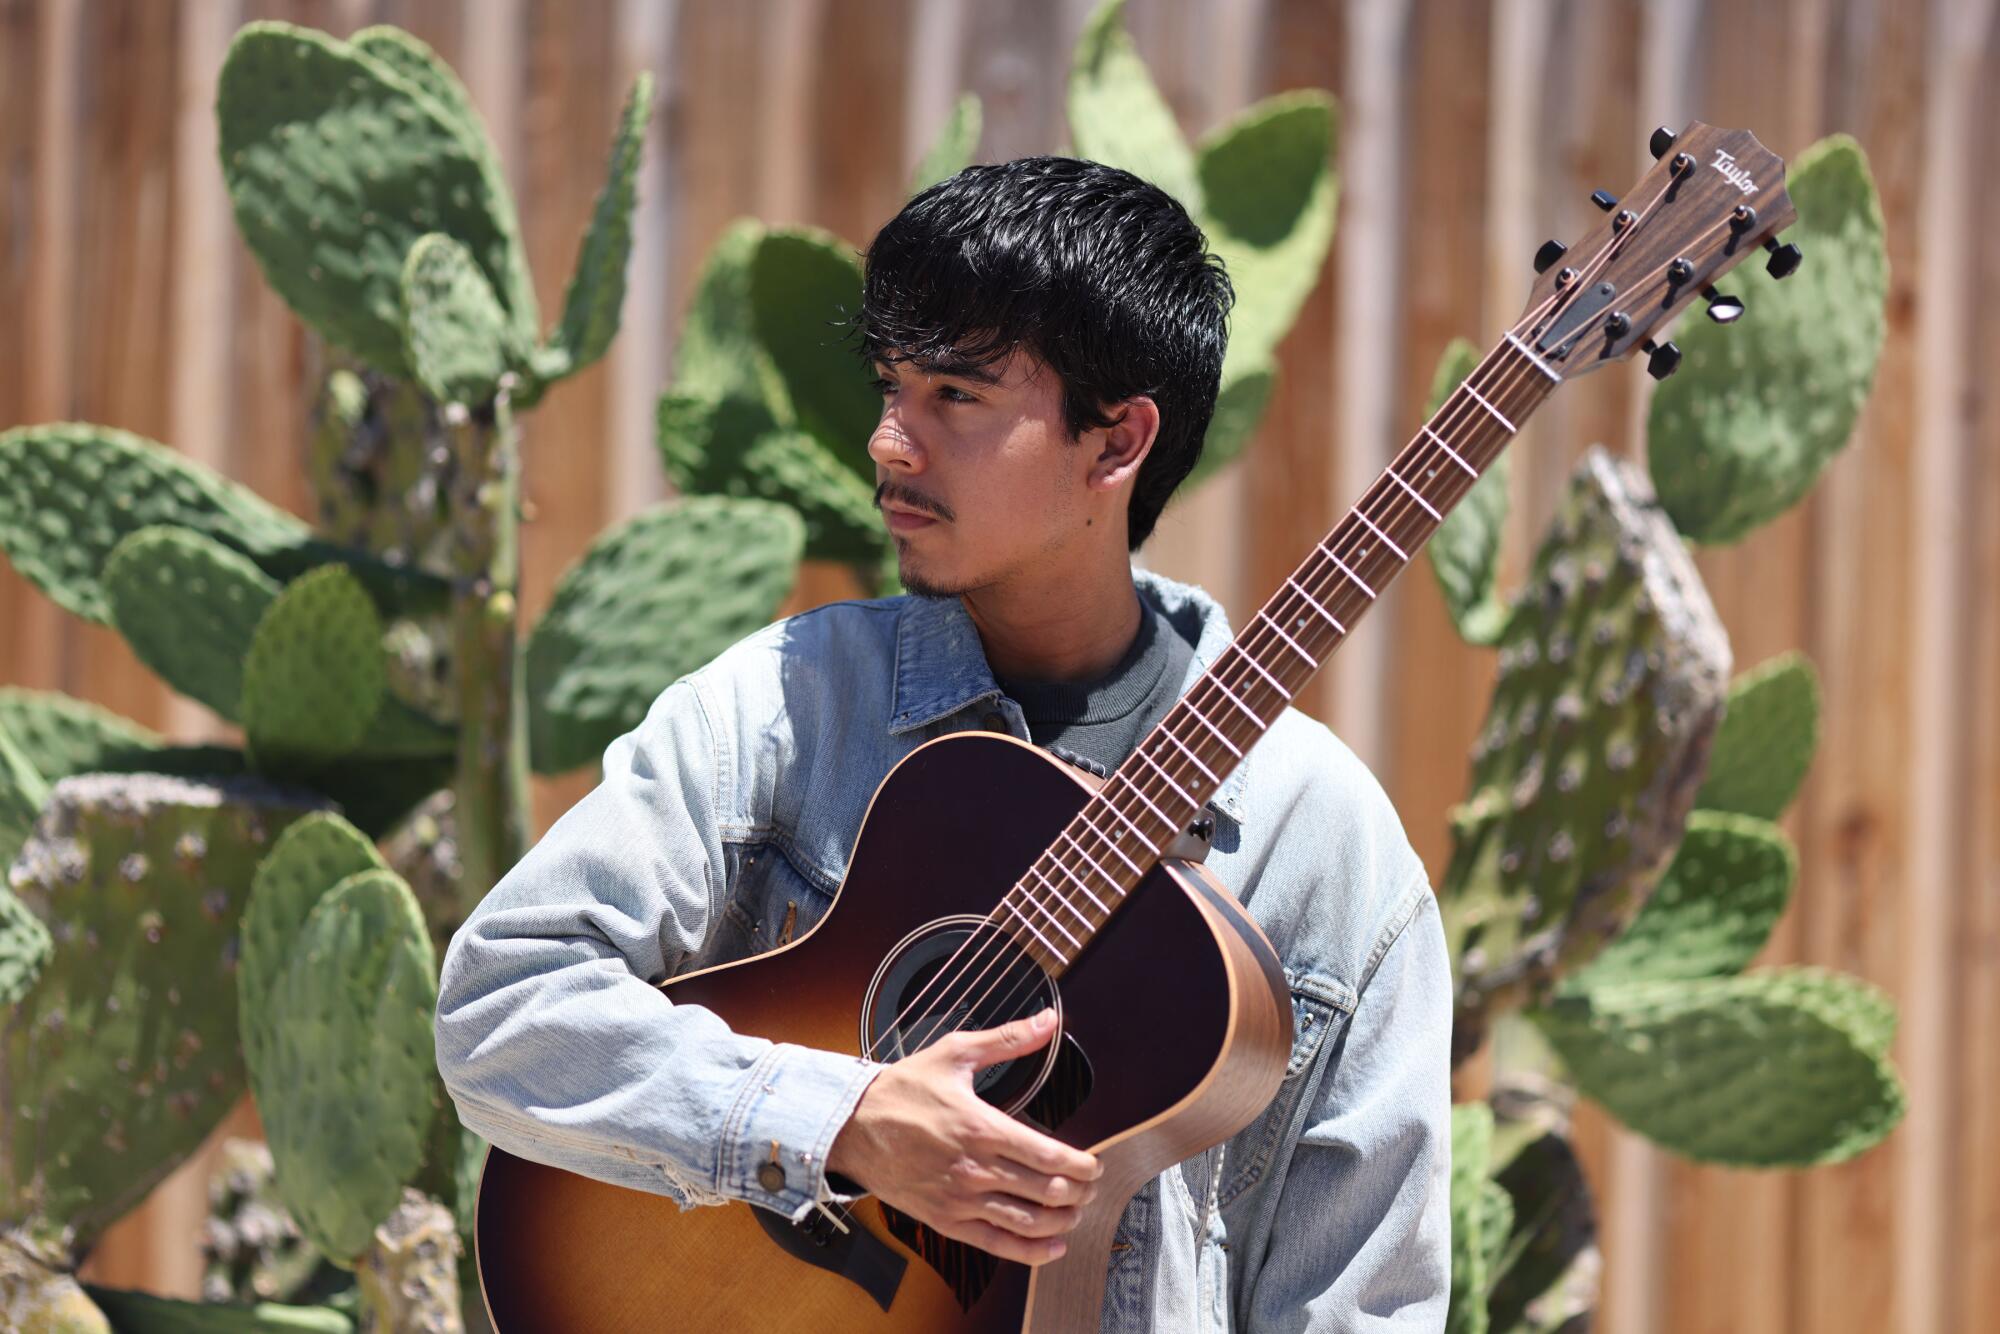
(958, 974)
(962, 973)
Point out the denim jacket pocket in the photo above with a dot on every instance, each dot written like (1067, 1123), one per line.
(1316, 1009)
(770, 901)
(1125, 1274)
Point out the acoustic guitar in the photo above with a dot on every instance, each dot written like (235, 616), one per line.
(1076, 893)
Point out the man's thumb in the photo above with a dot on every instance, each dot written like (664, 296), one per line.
(989, 1046)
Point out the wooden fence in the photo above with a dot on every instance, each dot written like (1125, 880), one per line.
(1469, 133)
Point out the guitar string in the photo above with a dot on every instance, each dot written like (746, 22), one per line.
(1014, 998)
(1259, 640)
(1010, 959)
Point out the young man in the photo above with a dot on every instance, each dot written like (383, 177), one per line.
(1048, 336)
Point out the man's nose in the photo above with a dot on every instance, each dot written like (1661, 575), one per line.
(892, 447)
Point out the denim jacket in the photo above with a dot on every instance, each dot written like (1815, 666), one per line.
(722, 828)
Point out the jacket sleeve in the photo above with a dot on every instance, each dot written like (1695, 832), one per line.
(556, 1043)
(1362, 1237)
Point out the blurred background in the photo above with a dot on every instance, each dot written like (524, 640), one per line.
(1468, 133)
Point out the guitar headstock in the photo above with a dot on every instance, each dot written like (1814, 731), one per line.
(1712, 198)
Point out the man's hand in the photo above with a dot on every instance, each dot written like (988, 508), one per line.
(923, 1142)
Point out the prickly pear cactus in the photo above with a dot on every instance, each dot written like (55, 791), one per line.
(805, 285)
(189, 608)
(39, 1297)
(1743, 429)
(951, 152)
(409, 1278)
(315, 673)
(336, 164)
(144, 1313)
(24, 947)
(1711, 912)
(22, 792)
(652, 600)
(1767, 739)
(61, 736)
(1117, 115)
(1612, 672)
(1465, 550)
(70, 492)
(252, 1250)
(1784, 1067)
(456, 338)
(124, 1055)
(348, 1091)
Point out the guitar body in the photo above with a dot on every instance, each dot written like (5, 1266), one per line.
(1176, 1023)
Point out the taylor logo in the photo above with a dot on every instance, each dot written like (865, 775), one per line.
(1735, 175)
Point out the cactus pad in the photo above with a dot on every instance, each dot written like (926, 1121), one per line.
(1776, 1068)
(143, 1313)
(952, 151)
(310, 858)
(61, 736)
(24, 947)
(1116, 114)
(315, 672)
(804, 286)
(1767, 739)
(1270, 187)
(336, 164)
(1612, 671)
(653, 599)
(70, 492)
(1239, 407)
(456, 342)
(718, 355)
(189, 607)
(1757, 409)
(1711, 912)
(351, 1094)
(596, 292)
(419, 66)
(1465, 550)
(733, 448)
(124, 1054)
(22, 792)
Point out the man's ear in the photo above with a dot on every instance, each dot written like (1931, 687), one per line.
(1122, 447)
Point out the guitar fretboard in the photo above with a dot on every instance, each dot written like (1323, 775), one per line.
(1124, 829)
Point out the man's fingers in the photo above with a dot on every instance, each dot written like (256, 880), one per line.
(1051, 1157)
(998, 1241)
(1025, 1219)
(1042, 1187)
(990, 1046)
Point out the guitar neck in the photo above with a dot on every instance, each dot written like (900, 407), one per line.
(1121, 833)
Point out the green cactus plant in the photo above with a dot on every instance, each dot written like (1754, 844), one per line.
(1612, 673)
(1767, 739)
(1465, 550)
(189, 607)
(251, 1247)
(955, 145)
(122, 1055)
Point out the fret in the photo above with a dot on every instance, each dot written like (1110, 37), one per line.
(1140, 793)
(1331, 619)
(1116, 851)
(1063, 898)
(1358, 581)
(1311, 661)
(1416, 496)
(1054, 920)
(1230, 695)
(1529, 353)
(1470, 471)
(1379, 533)
(1220, 735)
(1150, 846)
(1033, 932)
(1467, 387)
(1074, 878)
(1207, 772)
(1257, 667)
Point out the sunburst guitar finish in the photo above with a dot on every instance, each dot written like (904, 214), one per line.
(1175, 1027)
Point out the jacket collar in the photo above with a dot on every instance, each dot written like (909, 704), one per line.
(941, 667)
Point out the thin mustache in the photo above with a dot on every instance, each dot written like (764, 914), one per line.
(889, 491)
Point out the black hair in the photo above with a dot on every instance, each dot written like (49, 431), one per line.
(1102, 276)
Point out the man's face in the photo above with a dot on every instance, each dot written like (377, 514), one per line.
(976, 474)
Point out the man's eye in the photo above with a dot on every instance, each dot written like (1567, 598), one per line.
(953, 394)
(882, 386)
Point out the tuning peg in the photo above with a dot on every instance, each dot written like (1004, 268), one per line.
(1661, 360)
(1550, 252)
(1722, 307)
(1604, 199)
(1663, 139)
(1784, 260)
